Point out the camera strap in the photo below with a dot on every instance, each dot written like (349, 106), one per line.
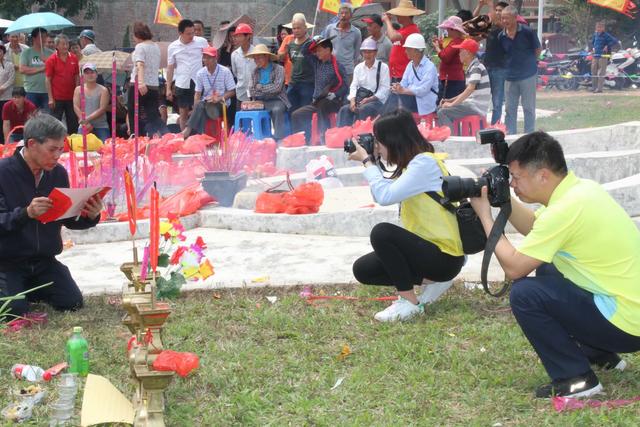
(492, 241)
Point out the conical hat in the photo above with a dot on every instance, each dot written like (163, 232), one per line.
(406, 8)
(260, 49)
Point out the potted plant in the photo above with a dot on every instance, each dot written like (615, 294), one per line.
(224, 176)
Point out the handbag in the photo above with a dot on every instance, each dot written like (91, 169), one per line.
(470, 227)
(363, 92)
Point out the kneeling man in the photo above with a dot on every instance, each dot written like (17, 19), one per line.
(27, 247)
(582, 307)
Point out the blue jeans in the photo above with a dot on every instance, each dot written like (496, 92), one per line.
(564, 325)
(346, 117)
(40, 100)
(496, 79)
(521, 91)
(300, 94)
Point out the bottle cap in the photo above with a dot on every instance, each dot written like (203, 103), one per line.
(47, 376)
(77, 329)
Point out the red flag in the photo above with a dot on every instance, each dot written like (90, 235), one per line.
(131, 201)
(154, 228)
(626, 7)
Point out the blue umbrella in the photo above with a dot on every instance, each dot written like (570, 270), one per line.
(46, 20)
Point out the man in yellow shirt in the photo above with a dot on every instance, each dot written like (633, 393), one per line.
(583, 305)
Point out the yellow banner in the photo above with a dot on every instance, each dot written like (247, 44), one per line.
(167, 13)
(333, 6)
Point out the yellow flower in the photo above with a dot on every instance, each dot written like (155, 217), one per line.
(206, 269)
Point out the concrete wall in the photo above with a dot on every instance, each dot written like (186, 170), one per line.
(115, 15)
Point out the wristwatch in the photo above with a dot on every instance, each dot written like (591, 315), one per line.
(367, 159)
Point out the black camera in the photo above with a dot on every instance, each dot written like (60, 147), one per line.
(365, 139)
(496, 179)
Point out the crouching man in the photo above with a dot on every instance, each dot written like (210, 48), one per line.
(28, 247)
(582, 307)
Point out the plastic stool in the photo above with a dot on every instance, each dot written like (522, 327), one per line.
(431, 119)
(468, 125)
(257, 122)
(213, 128)
(315, 131)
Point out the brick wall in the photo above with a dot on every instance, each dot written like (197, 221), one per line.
(115, 15)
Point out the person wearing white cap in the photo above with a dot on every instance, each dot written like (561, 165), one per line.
(418, 89)
(96, 103)
(369, 89)
(451, 72)
(346, 44)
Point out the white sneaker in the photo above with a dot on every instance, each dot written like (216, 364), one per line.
(433, 291)
(401, 310)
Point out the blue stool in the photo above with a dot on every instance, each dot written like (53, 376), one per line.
(257, 122)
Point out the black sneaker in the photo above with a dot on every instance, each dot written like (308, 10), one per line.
(609, 361)
(581, 386)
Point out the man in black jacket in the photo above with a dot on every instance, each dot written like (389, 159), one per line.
(28, 247)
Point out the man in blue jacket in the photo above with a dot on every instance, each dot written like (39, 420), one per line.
(603, 44)
(28, 247)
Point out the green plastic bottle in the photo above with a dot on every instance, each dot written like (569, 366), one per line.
(78, 353)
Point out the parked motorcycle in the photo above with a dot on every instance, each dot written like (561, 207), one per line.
(624, 68)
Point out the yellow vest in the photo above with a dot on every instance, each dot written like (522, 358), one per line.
(425, 217)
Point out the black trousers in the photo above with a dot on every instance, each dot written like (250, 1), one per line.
(66, 108)
(63, 294)
(301, 118)
(402, 259)
(564, 325)
(149, 121)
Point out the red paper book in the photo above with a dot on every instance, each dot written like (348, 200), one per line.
(68, 202)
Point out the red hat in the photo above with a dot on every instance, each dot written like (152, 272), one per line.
(243, 29)
(211, 51)
(468, 44)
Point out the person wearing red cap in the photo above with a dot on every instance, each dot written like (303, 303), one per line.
(241, 65)
(184, 58)
(214, 86)
(374, 28)
(476, 97)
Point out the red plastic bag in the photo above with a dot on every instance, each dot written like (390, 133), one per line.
(294, 140)
(439, 133)
(335, 137)
(363, 126)
(305, 199)
(181, 363)
(270, 202)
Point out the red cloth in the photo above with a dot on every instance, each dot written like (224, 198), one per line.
(63, 76)
(450, 65)
(398, 59)
(10, 112)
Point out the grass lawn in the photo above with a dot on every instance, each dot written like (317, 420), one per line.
(580, 110)
(464, 363)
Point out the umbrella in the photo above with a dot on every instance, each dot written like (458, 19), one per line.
(366, 11)
(4, 23)
(103, 61)
(46, 20)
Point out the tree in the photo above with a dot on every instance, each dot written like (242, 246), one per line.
(12, 9)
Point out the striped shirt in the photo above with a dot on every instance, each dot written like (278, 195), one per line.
(221, 80)
(477, 74)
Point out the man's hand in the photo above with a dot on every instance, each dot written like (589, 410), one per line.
(168, 93)
(142, 88)
(214, 98)
(446, 104)
(38, 206)
(88, 127)
(367, 100)
(52, 104)
(481, 205)
(93, 207)
(385, 18)
(352, 105)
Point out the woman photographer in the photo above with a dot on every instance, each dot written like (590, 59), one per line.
(428, 245)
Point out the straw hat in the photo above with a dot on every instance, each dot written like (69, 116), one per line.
(405, 8)
(296, 17)
(260, 49)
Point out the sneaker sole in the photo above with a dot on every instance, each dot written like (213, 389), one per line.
(587, 393)
(397, 318)
(621, 366)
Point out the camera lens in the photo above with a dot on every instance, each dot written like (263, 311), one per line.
(349, 146)
(456, 188)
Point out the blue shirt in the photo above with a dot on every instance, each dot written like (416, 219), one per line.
(601, 40)
(422, 174)
(265, 74)
(221, 80)
(520, 53)
(421, 82)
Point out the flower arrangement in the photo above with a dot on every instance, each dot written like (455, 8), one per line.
(179, 260)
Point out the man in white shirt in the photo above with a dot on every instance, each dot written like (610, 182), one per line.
(369, 89)
(241, 65)
(184, 59)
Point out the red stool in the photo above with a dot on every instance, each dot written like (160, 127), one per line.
(468, 125)
(315, 131)
(214, 128)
